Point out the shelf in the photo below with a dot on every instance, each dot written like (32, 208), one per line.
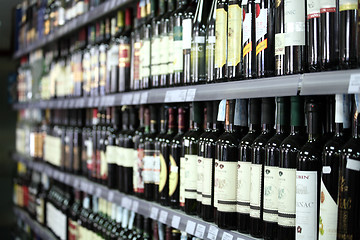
(175, 218)
(74, 24)
(40, 231)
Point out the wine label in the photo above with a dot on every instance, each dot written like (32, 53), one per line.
(190, 176)
(136, 62)
(220, 45)
(243, 187)
(178, 49)
(306, 205)
(226, 173)
(342, 109)
(170, 56)
(234, 35)
(111, 154)
(313, 9)
(138, 171)
(197, 58)
(327, 6)
(328, 215)
(128, 157)
(271, 180)
(255, 189)
(261, 24)
(155, 55)
(145, 58)
(294, 23)
(120, 158)
(164, 54)
(200, 178)
(345, 5)
(163, 173)
(247, 43)
(124, 55)
(186, 33)
(148, 170)
(207, 181)
(216, 177)
(286, 197)
(173, 175)
(182, 182)
(103, 165)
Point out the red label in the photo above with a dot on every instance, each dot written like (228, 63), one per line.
(313, 15)
(325, 10)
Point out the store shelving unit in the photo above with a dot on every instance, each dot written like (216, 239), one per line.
(175, 218)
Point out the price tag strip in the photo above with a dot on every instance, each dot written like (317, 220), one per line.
(163, 216)
(190, 227)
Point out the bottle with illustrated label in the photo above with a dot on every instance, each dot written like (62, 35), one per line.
(210, 44)
(221, 37)
(271, 167)
(279, 38)
(165, 157)
(191, 147)
(145, 47)
(244, 166)
(176, 155)
(138, 181)
(225, 175)
(157, 145)
(294, 38)
(330, 169)
(124, 54)
(166, 45)
(249, 39)
(208, 111)
(136, 51)
(349, 197)
(120, 150)
(198, 43)
(187, 32)
(234, 34)
(178, 65)
(158, 7)
(329, 34)
(258, 159)
(207, 196)
(308, 170)
(313, 36)
(348, 33)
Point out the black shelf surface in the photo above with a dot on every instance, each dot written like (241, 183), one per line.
(41, 231)
(74, 24)
(175, 218)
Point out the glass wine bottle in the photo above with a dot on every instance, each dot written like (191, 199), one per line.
(220, 43)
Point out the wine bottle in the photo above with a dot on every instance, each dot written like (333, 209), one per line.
(279, 38)
(349, 36)
(121, 141)
(112, 150)
(328, 113)
(295, 41)
(221, 36)
(124, 55)
(136, 51)
(234, 63)
(244, 166)
(329, 35)
(191, 157)
(313, 36)
(207, 195)
(249, 39)
(138, 181)
(145, 49)
(265, 38)
(159, 8)
(308, 170)
(165, 158)
(175, 156)
(210, 44)
(271, 168)
(226, 162)
(103, 148)
(330, 168)
(178, 43)
(348, 198)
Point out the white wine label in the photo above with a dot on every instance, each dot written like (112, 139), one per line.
(328, 215)
(145, 58)
(187, 30)
(271, 180)
(246, 28)
(353, 164)
(286, 197)
(216, 182)
(306, 205)
(178, 49)
(261, 24)
(163, 173)
(313, 9)
(128, 157)
(156, 168)
(207, 181)
(200, 178)
(234, 34)
(348, 5)
(342, 109)
(173, 176)
(119, 158)
(294, 22)
(327, 6)
(138, 178)
(220, 45)
(226, 173)
(170, 56)
(190, 176)
(155, 55)
(103, 165)
(111, 154)
(255, 190)
(182, 181)
(164, 54)
(243, 187)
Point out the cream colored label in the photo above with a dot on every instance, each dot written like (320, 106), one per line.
(148, 169)
(220, 45)
(120, 158)
(294, 22)
(145, 58)
(226, 172)
(328, 215)
(170, 65)
(156, 168)
(234, 34)
(103, 165)
(207, 181)
(255, 190)
(182, 181)
(173, 176)
(163, 173)
(271, 177)
(243, 187)
(286, 197)
(155, 55)
(164, 54)
(111, 154)
(190, 176)
(200, 177)
(216, 177)
(128, 157)
(279, 44)
(348, 5)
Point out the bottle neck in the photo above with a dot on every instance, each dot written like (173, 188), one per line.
(281, 128)
(314, 130)
(296, 129)
(266, 127)
(339, 129)
(254, 127)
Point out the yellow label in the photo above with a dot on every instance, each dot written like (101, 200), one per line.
(220, 45)
(247, 49)
(348, 5)
(163, 173)
(277, 3)
(173, 176)
(261, 46)
(234, 35)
